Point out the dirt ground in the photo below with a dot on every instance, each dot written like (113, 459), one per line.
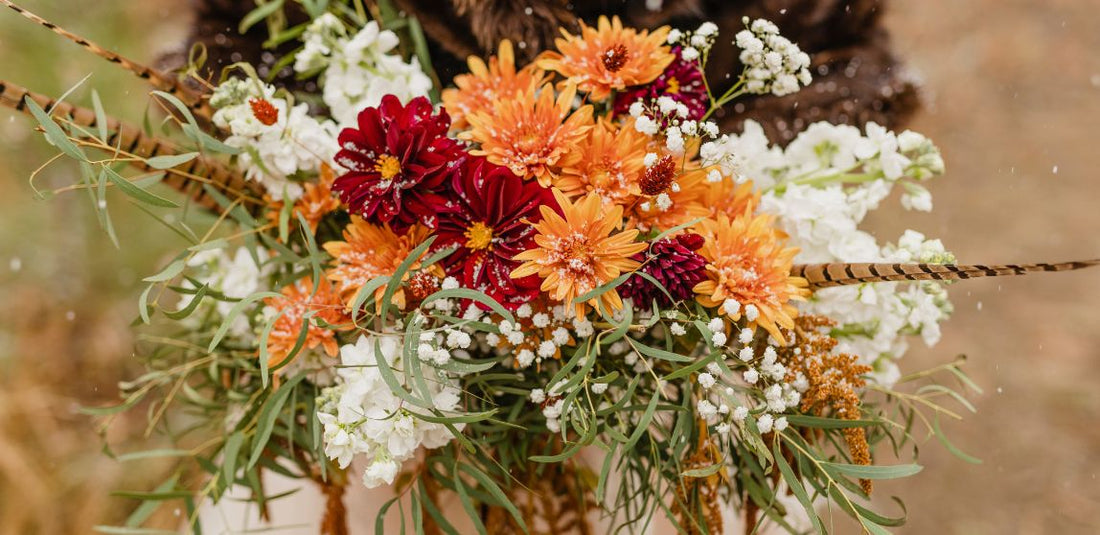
(1014, 93)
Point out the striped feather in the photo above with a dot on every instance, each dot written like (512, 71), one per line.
(841, 274)
(167, 83)
(133, 140)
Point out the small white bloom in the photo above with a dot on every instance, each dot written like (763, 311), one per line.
(706, 409)
(664, 202)
(722, 428)
(751, 312)
(674, 36)
(780, 423)
(740, 413)
(751, 376)
(547, 349)
(718, 339)
(731, 307)
(650, 159)
(689, 53)
(716, 325)
(707, 29)
(449, 283)
(599, 388)
(746, 353)
(745, 336)
(380, 472)
(677, 330)
(524, 311)
(764, 423)
(706, 380)
(646, 126)
(666, 104)
(516, 338)
(560, 336)
(525, 358)
(537, 395)
(540, 320)
(637, 109)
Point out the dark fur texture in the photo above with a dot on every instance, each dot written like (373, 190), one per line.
(856, 76)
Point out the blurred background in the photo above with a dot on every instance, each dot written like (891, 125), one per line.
(1013, 92)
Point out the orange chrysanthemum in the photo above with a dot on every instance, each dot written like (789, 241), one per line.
(610, 162)
(531, 135)
(679, 203)
(747, 262)
(730, 198)
(485, 84)
(316, 201)
(371, 251)
(299, 299)
(609, 57)
(577, 251)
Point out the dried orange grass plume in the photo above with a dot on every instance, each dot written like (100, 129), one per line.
(834, 379)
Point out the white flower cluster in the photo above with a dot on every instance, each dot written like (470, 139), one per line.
(362, 416)
(359, 71)
(773, 64)
(235, 276)
(279, 141)
(696, 44)
(821, 186)
(762, 372)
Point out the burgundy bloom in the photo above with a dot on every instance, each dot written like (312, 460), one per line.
(489, 216)
(682, 81)
(397, 161)
(674, 263)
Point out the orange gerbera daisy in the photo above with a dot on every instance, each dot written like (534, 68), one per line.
(748, 264)
(577, 252)
(531, 134)
(484, 85)
(610, 162)
(299, 299)
(609, 57)
(316, 202)
(728, 197)
(371, 251)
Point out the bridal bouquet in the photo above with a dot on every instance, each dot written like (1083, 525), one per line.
(555, 293)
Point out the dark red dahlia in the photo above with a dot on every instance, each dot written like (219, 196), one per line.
(682, 81)
(674, 263)
(489, 215)
(397, 161)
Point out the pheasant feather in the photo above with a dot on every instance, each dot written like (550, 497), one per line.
(133, 140)
(159, 80)
(842, 274)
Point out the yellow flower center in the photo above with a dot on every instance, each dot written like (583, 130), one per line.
(673, 85)
(387, 166)
(479, 236)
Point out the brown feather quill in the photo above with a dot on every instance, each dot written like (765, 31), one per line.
(172, 85)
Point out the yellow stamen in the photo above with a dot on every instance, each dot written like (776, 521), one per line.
(673, 85)
(387, 166)
(479, 236)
